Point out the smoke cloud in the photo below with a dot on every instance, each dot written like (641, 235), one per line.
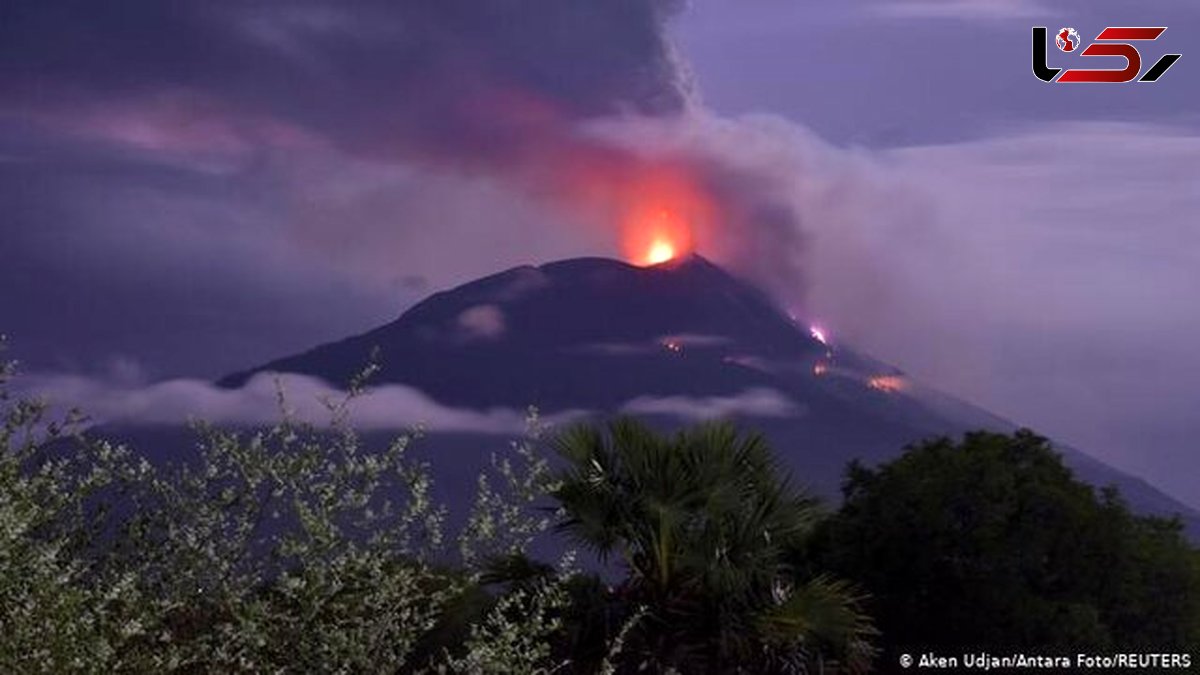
(583, 107)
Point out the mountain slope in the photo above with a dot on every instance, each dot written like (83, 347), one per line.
(551, 336)
(671, 342)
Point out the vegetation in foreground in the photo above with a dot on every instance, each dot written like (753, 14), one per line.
(296, 549)
(990, 543)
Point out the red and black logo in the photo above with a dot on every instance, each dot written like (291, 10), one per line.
(1110, 42)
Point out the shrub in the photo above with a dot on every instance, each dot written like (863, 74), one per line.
(288, 549)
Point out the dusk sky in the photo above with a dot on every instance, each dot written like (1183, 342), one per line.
(190, 188)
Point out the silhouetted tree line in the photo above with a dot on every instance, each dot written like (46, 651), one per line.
(991, 544)
(297, 549)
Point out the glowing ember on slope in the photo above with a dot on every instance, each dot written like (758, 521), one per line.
(887, 383)
(819, 335)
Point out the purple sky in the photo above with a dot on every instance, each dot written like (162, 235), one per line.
(190, 188)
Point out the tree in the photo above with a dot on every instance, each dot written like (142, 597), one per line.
(287, 549)
(991, 543)
(700, 522)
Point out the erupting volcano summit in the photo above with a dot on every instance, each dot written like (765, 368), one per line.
(672, 342)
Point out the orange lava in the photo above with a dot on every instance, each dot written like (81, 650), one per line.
(663, 211)
(660, 252)
(887, 383)
(656, 237)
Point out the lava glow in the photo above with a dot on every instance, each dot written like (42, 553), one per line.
(658, 237)
(660, 251)
(887, 383)
(663, 213)
(819, 335)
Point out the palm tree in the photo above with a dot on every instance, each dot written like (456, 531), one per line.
(702, 523)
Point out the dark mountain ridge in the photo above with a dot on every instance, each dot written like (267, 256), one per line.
(550, 335)
(665, 342)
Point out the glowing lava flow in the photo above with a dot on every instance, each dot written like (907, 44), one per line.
(819, 335)
(887, 383)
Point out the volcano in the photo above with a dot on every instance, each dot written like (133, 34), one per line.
(673, 343)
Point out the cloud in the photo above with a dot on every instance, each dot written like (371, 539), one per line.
(960, 9)
(228, 167)
(456, 80)
(179, 127)
(482, 322)
(178, 401)
(759, 402)
(1048, 275)
(357, 132)
(187, 269)
(384, 407)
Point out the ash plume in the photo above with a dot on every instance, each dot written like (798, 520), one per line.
(506, 92)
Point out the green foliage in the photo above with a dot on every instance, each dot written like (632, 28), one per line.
(297, 549)
(701, 522)
(515, 635)
(505, 519)
(290, 549)
(992, 543)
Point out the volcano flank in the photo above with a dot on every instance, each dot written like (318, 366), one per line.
(672, 343)
(585, 333)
